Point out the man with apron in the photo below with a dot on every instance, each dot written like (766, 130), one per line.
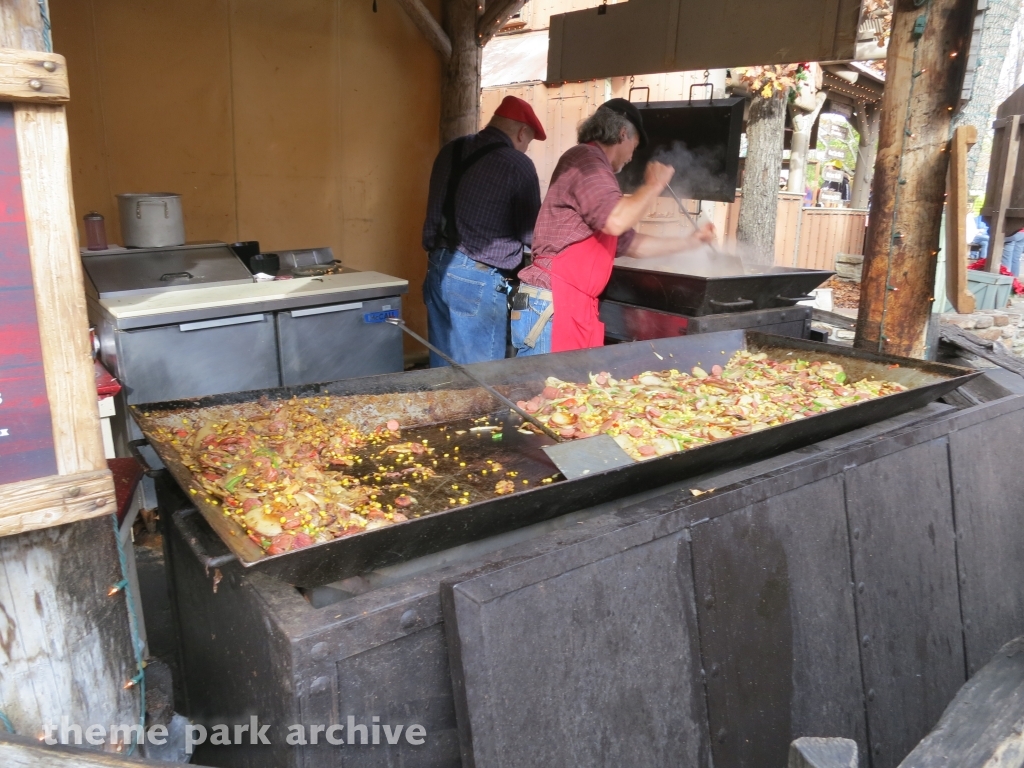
(484, 198)
(584, 223)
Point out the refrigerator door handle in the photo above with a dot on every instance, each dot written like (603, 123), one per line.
(220, 323)
(325, 310)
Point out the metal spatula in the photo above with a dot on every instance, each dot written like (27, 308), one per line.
(574, 458)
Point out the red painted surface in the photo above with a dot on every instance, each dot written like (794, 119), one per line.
(26, 434)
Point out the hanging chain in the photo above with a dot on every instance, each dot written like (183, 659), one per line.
(707, 76)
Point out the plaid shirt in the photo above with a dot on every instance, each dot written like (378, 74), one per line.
(496, 204)
(582, 194)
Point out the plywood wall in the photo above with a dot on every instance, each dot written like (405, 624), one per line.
(299, 123)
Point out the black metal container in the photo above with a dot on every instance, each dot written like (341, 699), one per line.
(439, 395)
(696, 295)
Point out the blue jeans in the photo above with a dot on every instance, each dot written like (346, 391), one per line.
(1013, 246)
(981, 240)
(467, 318)
(523, 321)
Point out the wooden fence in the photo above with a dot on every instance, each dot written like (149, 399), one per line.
(805, 237)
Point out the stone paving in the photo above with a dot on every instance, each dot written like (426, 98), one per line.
(1005, 325)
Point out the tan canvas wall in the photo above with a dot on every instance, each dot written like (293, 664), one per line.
(298, 123)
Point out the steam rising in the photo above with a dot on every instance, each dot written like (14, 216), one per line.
(699, 172)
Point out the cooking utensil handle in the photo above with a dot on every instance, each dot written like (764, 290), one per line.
(224, 321)
(184, 519)
(140, 203)
(738, 304)
(794, 299)
(325, 310)
(133, 449)
(493, 392)
(688, 215)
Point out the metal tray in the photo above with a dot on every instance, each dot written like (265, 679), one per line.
(442, 394)
(698, 295)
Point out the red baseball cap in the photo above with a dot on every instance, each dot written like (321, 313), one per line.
(520, 111)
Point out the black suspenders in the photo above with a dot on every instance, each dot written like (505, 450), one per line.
(448, 234)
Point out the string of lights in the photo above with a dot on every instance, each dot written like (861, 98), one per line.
(139, 679)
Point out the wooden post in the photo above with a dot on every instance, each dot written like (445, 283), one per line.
(1002, 174)
(957, 207)
(65, 643)
(922, 88)
(466, 27)
(460, 80)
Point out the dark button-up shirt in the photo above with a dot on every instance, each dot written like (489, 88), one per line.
(582, 194)
(496, 204)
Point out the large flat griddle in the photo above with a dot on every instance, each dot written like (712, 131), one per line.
(440, 395)
(700, 285)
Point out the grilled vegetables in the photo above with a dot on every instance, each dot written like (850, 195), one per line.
(656, 413)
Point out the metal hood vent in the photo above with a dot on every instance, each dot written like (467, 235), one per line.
(650, 36)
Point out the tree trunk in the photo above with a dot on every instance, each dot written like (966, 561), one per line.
(766, 127)
(922, 87)
(867, 122)
(803, 126)
(460, 82)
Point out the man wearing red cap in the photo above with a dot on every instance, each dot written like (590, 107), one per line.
(484, 198)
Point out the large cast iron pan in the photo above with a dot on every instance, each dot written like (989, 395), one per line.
(437, 395)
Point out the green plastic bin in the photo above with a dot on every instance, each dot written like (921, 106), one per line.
(990, 291)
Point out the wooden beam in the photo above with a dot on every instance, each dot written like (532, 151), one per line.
(32, 76)
(427, 24)
(55, 500)
(460, 83)
(922, 88)
(21, 26)
(979, 347)
(45, 162)
(496, 13)
(957, 208)
(982, 725)
(1001, 174)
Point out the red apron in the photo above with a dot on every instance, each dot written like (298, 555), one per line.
(578, 276)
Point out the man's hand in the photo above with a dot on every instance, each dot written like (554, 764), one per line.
(629, 210)
(706, 233)
(658, 175)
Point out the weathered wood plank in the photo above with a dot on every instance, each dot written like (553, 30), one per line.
(20, 25)
(978, 347)
(909, 188)
(990, 534)
(65, 647)
(19, 752)
(59, 286)
(777, 625)
(908, 611)
(55, 500)
(33, 76)
(982, 726)
(1002, 171)
(957, 207)
(530, 646)
(810, 752)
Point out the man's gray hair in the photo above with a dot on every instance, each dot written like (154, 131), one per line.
(605, 127)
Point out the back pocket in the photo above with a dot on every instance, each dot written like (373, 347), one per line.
(464, 295)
